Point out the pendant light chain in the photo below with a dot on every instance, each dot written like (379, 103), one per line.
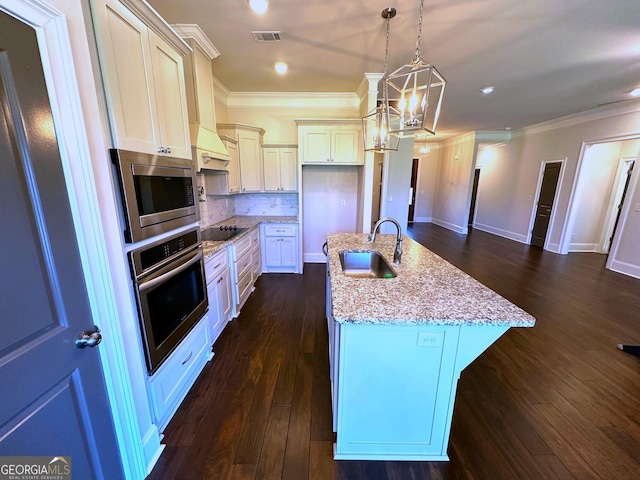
(419, 31)
(386, 50)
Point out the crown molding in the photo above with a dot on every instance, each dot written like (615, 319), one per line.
(193, 32)
(598, 113)
(153, 20)
(327, 121)
(328, 100)
(220, 91)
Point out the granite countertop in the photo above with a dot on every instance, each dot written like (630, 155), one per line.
(427, 289)
(211, 248)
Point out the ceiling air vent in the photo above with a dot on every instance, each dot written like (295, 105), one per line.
(267, 36)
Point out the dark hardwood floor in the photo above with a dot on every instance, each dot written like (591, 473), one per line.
(557, 401)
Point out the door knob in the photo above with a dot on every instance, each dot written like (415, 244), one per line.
(89, 338)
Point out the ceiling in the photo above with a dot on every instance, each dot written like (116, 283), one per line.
(546, 58)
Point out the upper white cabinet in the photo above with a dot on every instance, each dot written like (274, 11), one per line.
(249, 140)
(330, 142)
(233, 177)
(280, 168)
(144, 79)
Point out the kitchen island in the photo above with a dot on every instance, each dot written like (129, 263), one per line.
(397, 347)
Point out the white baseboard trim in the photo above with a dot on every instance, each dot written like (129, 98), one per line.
(152, 447)
(584, 247)
(625, 268)
(554, 247)
(315, 258)
(500, 232)
(450, 226)
(422, 219)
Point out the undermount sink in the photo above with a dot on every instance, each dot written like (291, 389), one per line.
(368, 264)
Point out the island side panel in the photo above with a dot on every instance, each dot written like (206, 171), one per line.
(395, 391)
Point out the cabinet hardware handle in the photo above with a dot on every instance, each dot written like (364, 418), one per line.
(188, 357)
(217, 266)
(168, 150)
(161, 150)
(243, 189)
(220, 279)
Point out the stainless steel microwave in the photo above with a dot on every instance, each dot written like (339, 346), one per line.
(158, 193)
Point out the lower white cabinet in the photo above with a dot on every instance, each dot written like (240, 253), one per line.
(243, 269)
(280, 248)
(171, 382)
(219, 293)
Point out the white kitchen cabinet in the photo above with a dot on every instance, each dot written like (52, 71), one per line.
(170, 384)
(280, 248)
(330, 142)
(243, 268)
(219, 293)
(144, 80)
(249, 140)
(280, 168)
(225, 183)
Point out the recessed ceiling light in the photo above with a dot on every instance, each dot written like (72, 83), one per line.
(635, 92)
(281, 68)
(507, 128)
(259, 6)
(487, 90)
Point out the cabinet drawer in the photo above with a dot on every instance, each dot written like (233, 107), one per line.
(175, 377)
(243, 265)
(280, 230)
(242, 246)
(256, 264)
(244, 287)
(255, 238)
(216, 264)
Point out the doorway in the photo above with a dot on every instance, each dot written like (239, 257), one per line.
(618, 195)
(546, 198)
(474, 197)
(412, 189)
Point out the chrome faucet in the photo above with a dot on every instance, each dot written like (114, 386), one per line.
(397, 254)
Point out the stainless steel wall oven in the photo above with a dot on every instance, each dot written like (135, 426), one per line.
(171, 292)
(157, 193)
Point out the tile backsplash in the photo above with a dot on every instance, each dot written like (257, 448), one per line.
(276, 204)
(217, 208)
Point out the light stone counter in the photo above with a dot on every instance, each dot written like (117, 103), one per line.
(210, 248)
(427, 290)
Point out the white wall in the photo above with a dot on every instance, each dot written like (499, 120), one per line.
(592, 195)
(329, 204)
(396, 184)
(452, 195)
(509, 176)
(426, 183)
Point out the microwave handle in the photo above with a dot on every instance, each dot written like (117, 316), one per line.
(147, 284)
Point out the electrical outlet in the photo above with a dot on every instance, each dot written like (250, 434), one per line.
(343, 202)
(637, 208)
(426, 339)
(277, 200)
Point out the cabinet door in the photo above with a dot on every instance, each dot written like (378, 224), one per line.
(225, 302)
(288, 251)
(250, 171)
(272, 252)
(271, 169)
(204, 101)
(234, 167)
(129, 80)
(316, 145)
(345, 146)
(171, 98)
(288, 169)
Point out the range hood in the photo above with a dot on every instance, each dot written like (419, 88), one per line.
(208, 150)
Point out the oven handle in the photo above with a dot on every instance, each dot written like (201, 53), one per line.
(147, 284)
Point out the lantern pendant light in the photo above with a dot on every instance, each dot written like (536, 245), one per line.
(414, 94)
(376, 125)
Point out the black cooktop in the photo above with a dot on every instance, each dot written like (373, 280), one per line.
(220, 234)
